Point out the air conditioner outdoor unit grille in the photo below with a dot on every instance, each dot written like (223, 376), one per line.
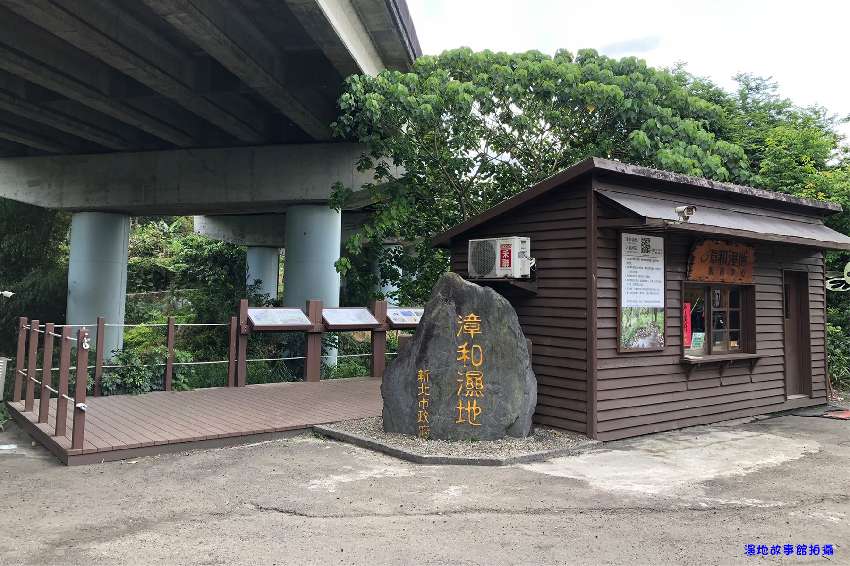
(484, 257)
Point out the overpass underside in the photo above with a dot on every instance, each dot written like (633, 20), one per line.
(203, 107)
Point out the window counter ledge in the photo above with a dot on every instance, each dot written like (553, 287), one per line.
(725, 360)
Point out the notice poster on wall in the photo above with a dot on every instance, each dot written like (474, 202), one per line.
(641, 293)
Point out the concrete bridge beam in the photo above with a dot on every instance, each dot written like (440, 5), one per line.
(236, 180)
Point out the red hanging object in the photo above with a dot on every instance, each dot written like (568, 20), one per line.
(686, 324)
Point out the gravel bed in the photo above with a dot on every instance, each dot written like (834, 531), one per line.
(543, 443)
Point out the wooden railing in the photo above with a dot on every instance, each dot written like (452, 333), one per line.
(26, 375)
(239, 330)
(314, 331)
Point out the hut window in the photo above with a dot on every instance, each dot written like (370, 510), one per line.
(717, 319)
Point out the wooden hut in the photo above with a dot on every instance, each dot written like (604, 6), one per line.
(660, 300)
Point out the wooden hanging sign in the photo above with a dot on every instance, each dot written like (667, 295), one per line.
(718, 261)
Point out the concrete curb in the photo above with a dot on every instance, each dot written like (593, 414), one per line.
(424, 459)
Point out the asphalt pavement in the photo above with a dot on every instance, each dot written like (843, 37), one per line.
(697, 496)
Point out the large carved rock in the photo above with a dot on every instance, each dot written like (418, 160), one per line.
(466, 374)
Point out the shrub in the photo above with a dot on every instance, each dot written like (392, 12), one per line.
(838, 355)
(355, 343)
(143, 372)
(349, 367)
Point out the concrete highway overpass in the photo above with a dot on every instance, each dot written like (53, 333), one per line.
(205, 107)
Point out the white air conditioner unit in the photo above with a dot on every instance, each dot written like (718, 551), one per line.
(500, 258)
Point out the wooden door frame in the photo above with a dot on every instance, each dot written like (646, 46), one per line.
(805, 342)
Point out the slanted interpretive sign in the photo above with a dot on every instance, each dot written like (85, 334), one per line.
(401, 317)
(270, 319)
(347, 318)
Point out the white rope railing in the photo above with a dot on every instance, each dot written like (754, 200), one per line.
(163, 364)
(289, 358)
(276, 359)
(345, 355)
(202, 363)
(148, 324)
(165, 324)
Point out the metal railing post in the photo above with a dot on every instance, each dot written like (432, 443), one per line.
(32, 366)
(169, 360)
(78, 433)
(17, 388)
(98, 355)
(233, 333)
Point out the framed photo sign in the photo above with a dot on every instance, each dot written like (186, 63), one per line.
(641, 313)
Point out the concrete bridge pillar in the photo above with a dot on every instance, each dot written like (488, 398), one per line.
(263, 265)
(313, 239)
(97, 272)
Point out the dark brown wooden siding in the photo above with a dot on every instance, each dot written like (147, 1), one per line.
(555, 319)
(640, 393)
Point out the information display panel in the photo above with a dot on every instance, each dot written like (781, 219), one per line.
(277, 319)
(354, 318)
(404, 317)
(641, 324)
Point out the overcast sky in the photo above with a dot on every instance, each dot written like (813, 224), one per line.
(804, 46)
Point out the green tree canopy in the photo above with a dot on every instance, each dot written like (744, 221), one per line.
(465, 130)
(33, 265)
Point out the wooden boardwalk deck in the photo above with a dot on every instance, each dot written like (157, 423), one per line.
(127, 426)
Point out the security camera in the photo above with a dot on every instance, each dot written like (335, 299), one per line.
(685, 212)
